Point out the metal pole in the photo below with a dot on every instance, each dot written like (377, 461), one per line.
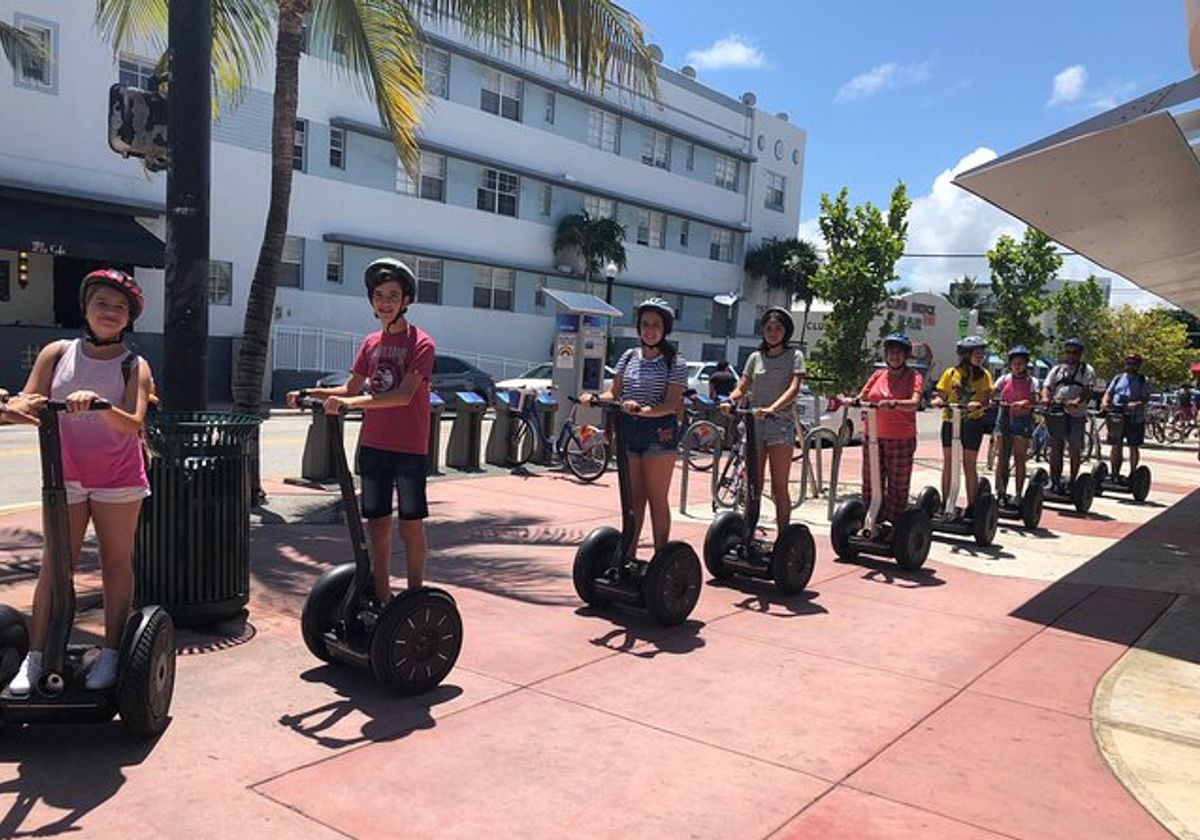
(185, 327)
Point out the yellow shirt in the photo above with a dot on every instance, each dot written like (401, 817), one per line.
(952, 384)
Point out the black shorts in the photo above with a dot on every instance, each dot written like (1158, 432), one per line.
(383, 472)
(1126, 431)
(971, 434)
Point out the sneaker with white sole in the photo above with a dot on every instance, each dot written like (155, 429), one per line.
(103, 673)
(27, 675)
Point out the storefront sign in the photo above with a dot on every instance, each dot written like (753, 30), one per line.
(54, 249)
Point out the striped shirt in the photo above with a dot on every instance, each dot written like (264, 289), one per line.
(646, 380)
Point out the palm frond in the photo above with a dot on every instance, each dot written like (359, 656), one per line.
(599, 41)
(18, 48)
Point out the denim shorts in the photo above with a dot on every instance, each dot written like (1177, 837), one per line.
(775, 430)
(971, 434)
(383, 472)
(1022, 425)
(650, 435)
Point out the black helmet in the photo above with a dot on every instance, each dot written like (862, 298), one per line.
(660, 306)
(898, 339)
(784, 317)
(389, 268)
(968, 345)
(1019, 350)
(1073, 343)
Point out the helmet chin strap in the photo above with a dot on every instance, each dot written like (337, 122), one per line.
(91, 337)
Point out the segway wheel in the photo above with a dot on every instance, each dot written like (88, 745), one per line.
(147, 674)
(672, 583)
(321, 606)
(722, 537)
(911, 539)
(1031, 505)
(1041, 477)
(596, 553)
(930, 501)
(984, 486)
(1082, 492)
(14, 642)
(793, 559)
(847, 521)
(1099, 476)
(986, 519)
(417, 641)
(1139, 483)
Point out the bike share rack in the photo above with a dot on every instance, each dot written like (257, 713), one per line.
(687, 461)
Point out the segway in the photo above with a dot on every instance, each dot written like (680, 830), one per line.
(856, 528)
(730, 546)
(1137, 483)
(945, 516)
(605, 569)
(410, 643)
(146, 669)
(1079, 493)
(1028, 507)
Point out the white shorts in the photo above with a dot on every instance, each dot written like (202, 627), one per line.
(77, 493)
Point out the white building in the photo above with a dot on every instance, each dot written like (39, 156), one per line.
(510, 146)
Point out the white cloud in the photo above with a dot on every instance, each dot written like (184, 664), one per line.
(733, 51)
(883, 77)
(1069, 85)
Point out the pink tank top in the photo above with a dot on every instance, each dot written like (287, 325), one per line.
(1017, 389)
(95, 454)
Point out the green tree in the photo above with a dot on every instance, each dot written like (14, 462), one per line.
(1155, 333)
(1079, 310)
(1020, 272)
(862, 249)
(1191, 322)
(18, 48)
(965, 293)
(788, 265)
(597, 242)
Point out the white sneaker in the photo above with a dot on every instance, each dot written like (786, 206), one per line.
(103, 673)
(27, 675)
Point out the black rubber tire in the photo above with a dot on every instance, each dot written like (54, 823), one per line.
(322, 602)
(14, 642)
(1099, 476)
(671, 586)
(985, 520)
(597, 552)
(1139, 483)
(416, 641)
(793, 560)
(706, 437)
(984, 486)
(1082, 492)
(912, 538)
(589, 463)
(847, 521)
(1041, 477)
(522, 440)
(1031, 505)
(930, 501)
(147, 674)
(722, 536)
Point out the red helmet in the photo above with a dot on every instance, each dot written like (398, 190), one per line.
(114, 279)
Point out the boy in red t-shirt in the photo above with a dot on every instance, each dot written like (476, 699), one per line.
(896, 391)
(394, 365)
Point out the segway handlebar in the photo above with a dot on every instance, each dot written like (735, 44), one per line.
(310, 403)
(61, 405)
(857, 403)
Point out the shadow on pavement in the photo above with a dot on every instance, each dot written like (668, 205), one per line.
(887, 572)
(762, 597)
(629, 630)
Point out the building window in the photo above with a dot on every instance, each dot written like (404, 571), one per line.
(685, 230)
(435, 70)
(546, 199)
(299, 143)
(501, 94)
(691, 157)
(776, 185)
(604, 131)
(494, 288)
(600, 208)
(656, 151)
(651, 228)
(432, 183)
(726, 173)
(39, 69)
(291, 264)
(429, 280)
(498, 193)
(720, 248)
(134, 72)
(337, 148)
(333, 262)
(549, 116)
(220, 283)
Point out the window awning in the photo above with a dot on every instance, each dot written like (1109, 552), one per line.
(1122, 189)
(77, 229)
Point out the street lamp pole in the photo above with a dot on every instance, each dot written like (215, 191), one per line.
(610, 274)
(728, 301)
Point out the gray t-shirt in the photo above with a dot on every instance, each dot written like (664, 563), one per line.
(1070, 382)
(771, 375)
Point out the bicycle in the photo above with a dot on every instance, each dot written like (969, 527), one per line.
(729, 489)
(582, 449)
(701, 440)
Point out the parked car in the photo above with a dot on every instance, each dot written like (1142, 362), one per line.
(540, 377)
(450, 374)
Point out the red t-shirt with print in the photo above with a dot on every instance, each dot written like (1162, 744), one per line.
(894, 423)
(384, 360)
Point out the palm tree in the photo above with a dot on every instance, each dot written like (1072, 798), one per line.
(787, 264)
(379, 46)
(17, 46)
(966, 293)
(597, 242)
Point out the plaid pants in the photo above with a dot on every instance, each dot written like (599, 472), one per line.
(895, 468)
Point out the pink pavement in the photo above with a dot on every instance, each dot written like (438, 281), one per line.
(943, 703)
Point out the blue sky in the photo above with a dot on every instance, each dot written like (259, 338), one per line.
(893, 91)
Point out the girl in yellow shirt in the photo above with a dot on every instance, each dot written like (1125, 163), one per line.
(968, 384)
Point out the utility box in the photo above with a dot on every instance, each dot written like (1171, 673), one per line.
(434, 461)
(466, 433)
(580, 346)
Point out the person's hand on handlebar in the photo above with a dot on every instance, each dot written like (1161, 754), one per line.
(20, 408)
(334, 405)
(1073, 403)
(81, 400)
(974, 405)
(293, 398)
(631, 406)
(937, 402)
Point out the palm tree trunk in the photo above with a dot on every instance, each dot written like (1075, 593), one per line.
(804, 324)
(260, 306)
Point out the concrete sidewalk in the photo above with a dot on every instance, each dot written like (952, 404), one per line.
(960, 701)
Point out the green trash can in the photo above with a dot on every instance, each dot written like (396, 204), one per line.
(192, 549)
